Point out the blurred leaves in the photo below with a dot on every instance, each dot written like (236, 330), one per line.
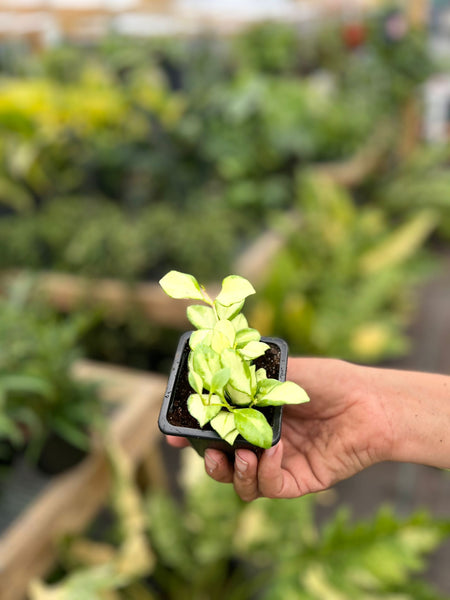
(210, 544)
(140, 156)
(341, 284)
(38, 394)
(111, 568)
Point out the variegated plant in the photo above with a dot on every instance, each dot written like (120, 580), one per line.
(227, 387)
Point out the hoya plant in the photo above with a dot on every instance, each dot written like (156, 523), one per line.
(228, 390)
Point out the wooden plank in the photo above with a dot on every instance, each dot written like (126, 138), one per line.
(29, 546)
(117, 299)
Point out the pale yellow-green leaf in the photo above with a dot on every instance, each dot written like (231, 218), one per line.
(201, 317)
(253, 350)
(219, 342)
(229, 312)
(237, 397)
(201, 336)
(227, 329)
(234, 290)
(224, 425)
(239, 322)
(196, 382)
(286, 392)
(240, 377)
(181, 285)
(253, 427)
(201, 410)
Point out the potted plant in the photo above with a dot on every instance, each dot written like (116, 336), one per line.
(227, 385)
(44, 410)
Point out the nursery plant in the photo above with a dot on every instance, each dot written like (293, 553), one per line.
(213, 545)
(228, 390)
(39, 398)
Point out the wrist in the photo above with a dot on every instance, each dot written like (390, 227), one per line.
(417, 406)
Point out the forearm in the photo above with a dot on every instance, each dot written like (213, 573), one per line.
(417, 406)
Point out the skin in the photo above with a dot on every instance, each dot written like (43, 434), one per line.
(357, 416)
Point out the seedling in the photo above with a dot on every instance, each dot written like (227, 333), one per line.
(228, 389)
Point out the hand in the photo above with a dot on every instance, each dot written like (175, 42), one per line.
(356, 416)
(338, 433)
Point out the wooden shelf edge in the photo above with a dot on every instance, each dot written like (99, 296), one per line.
(28, 548)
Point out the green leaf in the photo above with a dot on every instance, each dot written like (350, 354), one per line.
(228, 312)
(220, 379)
(240, 376)
(200, 409)
(195, 381)
(234, 290)
(244, 336)
(253, 380)
(225, 426)
(206, 362)
(201, 336)
(253, 350)
(253, 426)
(181, 285)
(239, 322)
(227, 329)
(237, 397)
(286, 392)
(201, 317)
(266, 385)
(261, 375)
(28, 384)
(219, 342)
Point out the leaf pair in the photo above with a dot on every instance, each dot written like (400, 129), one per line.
(182, 285)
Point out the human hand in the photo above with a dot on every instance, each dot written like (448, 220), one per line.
(342, 430)
(356, 416)
(338, 433)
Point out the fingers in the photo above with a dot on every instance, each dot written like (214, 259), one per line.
(250, 479)
(271, 476)
(243, 474)
(245, 478)
(218, 466)
(177, 442)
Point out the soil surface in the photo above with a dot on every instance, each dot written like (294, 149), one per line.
(178, 414)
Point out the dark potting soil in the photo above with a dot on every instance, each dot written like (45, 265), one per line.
(179, 415)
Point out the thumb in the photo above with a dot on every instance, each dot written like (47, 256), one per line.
(271, 479)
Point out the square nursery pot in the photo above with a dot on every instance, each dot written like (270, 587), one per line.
(175, 419)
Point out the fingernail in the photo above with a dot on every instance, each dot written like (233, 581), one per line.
(272, 450)
(241, 465)
(211, 464)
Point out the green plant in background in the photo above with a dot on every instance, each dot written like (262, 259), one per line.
(159, 131)
(281, 550)
(38, 394)
(228, 388)
(342, 284)
(108, 567)
(213, 545)
(421, 182)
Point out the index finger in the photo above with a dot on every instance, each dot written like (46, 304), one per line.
(177, 442)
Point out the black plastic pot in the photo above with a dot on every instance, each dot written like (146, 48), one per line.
(174, 417)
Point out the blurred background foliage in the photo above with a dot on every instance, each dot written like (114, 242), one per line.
(40, 399)
(214, 545)
(133, 157)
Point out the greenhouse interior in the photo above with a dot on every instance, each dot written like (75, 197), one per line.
(312, 140)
